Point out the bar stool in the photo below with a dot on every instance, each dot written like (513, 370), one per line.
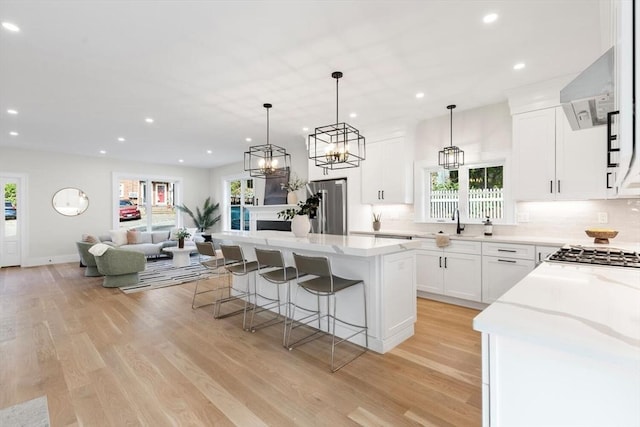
(213, 261)
(325, 284)
(272, 268)
(236, 264)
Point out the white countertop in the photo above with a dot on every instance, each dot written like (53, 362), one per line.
(530, 240)
(364, 246)
(594, 311)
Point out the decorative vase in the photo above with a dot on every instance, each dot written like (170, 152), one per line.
(300, 225)
(376, 225)
(292, 198)
(181, 242)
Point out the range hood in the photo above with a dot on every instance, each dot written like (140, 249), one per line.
(590, 96)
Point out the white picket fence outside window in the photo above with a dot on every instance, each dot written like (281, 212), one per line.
(481, 203)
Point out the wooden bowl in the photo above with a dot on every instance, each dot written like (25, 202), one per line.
(601, 235)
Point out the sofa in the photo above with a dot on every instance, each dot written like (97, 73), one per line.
(150, 243)
(120, 267)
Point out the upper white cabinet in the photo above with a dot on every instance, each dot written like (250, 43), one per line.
(387, 173)
(554, 162)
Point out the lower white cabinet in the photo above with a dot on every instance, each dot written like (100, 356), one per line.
(453, 271)
(504, 265)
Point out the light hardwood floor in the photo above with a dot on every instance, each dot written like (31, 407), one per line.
(105, 358)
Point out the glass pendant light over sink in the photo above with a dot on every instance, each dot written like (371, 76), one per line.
(267, 160)
(338, 145)
(451, 157)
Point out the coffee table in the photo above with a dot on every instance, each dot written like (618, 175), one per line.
(180, 255)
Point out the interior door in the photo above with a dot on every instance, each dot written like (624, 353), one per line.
(9, 222)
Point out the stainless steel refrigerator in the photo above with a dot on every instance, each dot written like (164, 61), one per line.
(331, 217)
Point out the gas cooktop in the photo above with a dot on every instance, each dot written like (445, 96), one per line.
(596, 256)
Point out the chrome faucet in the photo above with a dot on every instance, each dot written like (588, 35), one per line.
(459, 228)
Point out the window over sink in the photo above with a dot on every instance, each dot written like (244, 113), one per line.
(476, 190)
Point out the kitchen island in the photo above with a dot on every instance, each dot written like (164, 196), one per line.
(562, 347)
(387, 267)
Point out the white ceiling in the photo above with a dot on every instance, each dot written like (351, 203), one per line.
(82, 73)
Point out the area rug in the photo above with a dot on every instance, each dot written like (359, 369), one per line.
(32, 413)
(161, 273)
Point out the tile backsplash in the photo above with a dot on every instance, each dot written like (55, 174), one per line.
(557, 219)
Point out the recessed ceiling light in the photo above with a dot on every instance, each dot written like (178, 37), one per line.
(180, 160)
(305, 129)
(10, 27)
(11, 111)
(103, 152)
(121, 139)
(209, 152)
(148, 120)
(248, 139)
(353, 115)
(519, 66)
(420, 95)
(491, 17)
(13, 133)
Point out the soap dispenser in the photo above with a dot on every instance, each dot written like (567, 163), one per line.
(488, 227)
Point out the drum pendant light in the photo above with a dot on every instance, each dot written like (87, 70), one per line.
(267, 160)
(451, 157)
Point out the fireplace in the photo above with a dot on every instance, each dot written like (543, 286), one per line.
(273, 225)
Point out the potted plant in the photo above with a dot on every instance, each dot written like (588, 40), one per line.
(376, 221)
(203, 218)
(299, 216)
(181, 234)
(292, 186)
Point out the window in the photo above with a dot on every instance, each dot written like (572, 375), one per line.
(241, 194)
(477, 190)
(146, 211)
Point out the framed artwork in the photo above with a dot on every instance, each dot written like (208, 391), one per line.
(273, 192)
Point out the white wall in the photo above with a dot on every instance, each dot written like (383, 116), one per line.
(49, 236)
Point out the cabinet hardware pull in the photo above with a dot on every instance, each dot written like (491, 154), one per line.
(382, 194)
(507, 260)
(608, 180)
(558, 186)
(445, 262)
(440, 263)
(539, 256)
(507, 250)
(551, 186)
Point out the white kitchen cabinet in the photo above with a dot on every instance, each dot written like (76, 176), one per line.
(387, 173)
(504, 265)
(453, 271)
(554, 162)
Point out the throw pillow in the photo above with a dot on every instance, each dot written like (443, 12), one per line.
(90, 238)
(172, 234)
(118, 237)
(132, 237)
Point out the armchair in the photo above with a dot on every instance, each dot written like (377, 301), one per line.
(87, 259)
(120, 267)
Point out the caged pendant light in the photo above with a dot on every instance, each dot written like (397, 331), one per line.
(267, 160)
(339, 145)
(451, 157)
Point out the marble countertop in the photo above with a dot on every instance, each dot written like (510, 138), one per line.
(354, 245)
(590, 310)
(526, 240)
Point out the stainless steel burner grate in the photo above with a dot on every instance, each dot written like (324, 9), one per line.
(597, 256)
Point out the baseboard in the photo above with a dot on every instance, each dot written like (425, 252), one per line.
(452, 300)
(58, 259)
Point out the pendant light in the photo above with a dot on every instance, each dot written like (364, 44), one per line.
(268, 160)
(338, 145)
(451, 157)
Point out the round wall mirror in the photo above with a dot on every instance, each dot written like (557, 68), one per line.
(70, 201)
